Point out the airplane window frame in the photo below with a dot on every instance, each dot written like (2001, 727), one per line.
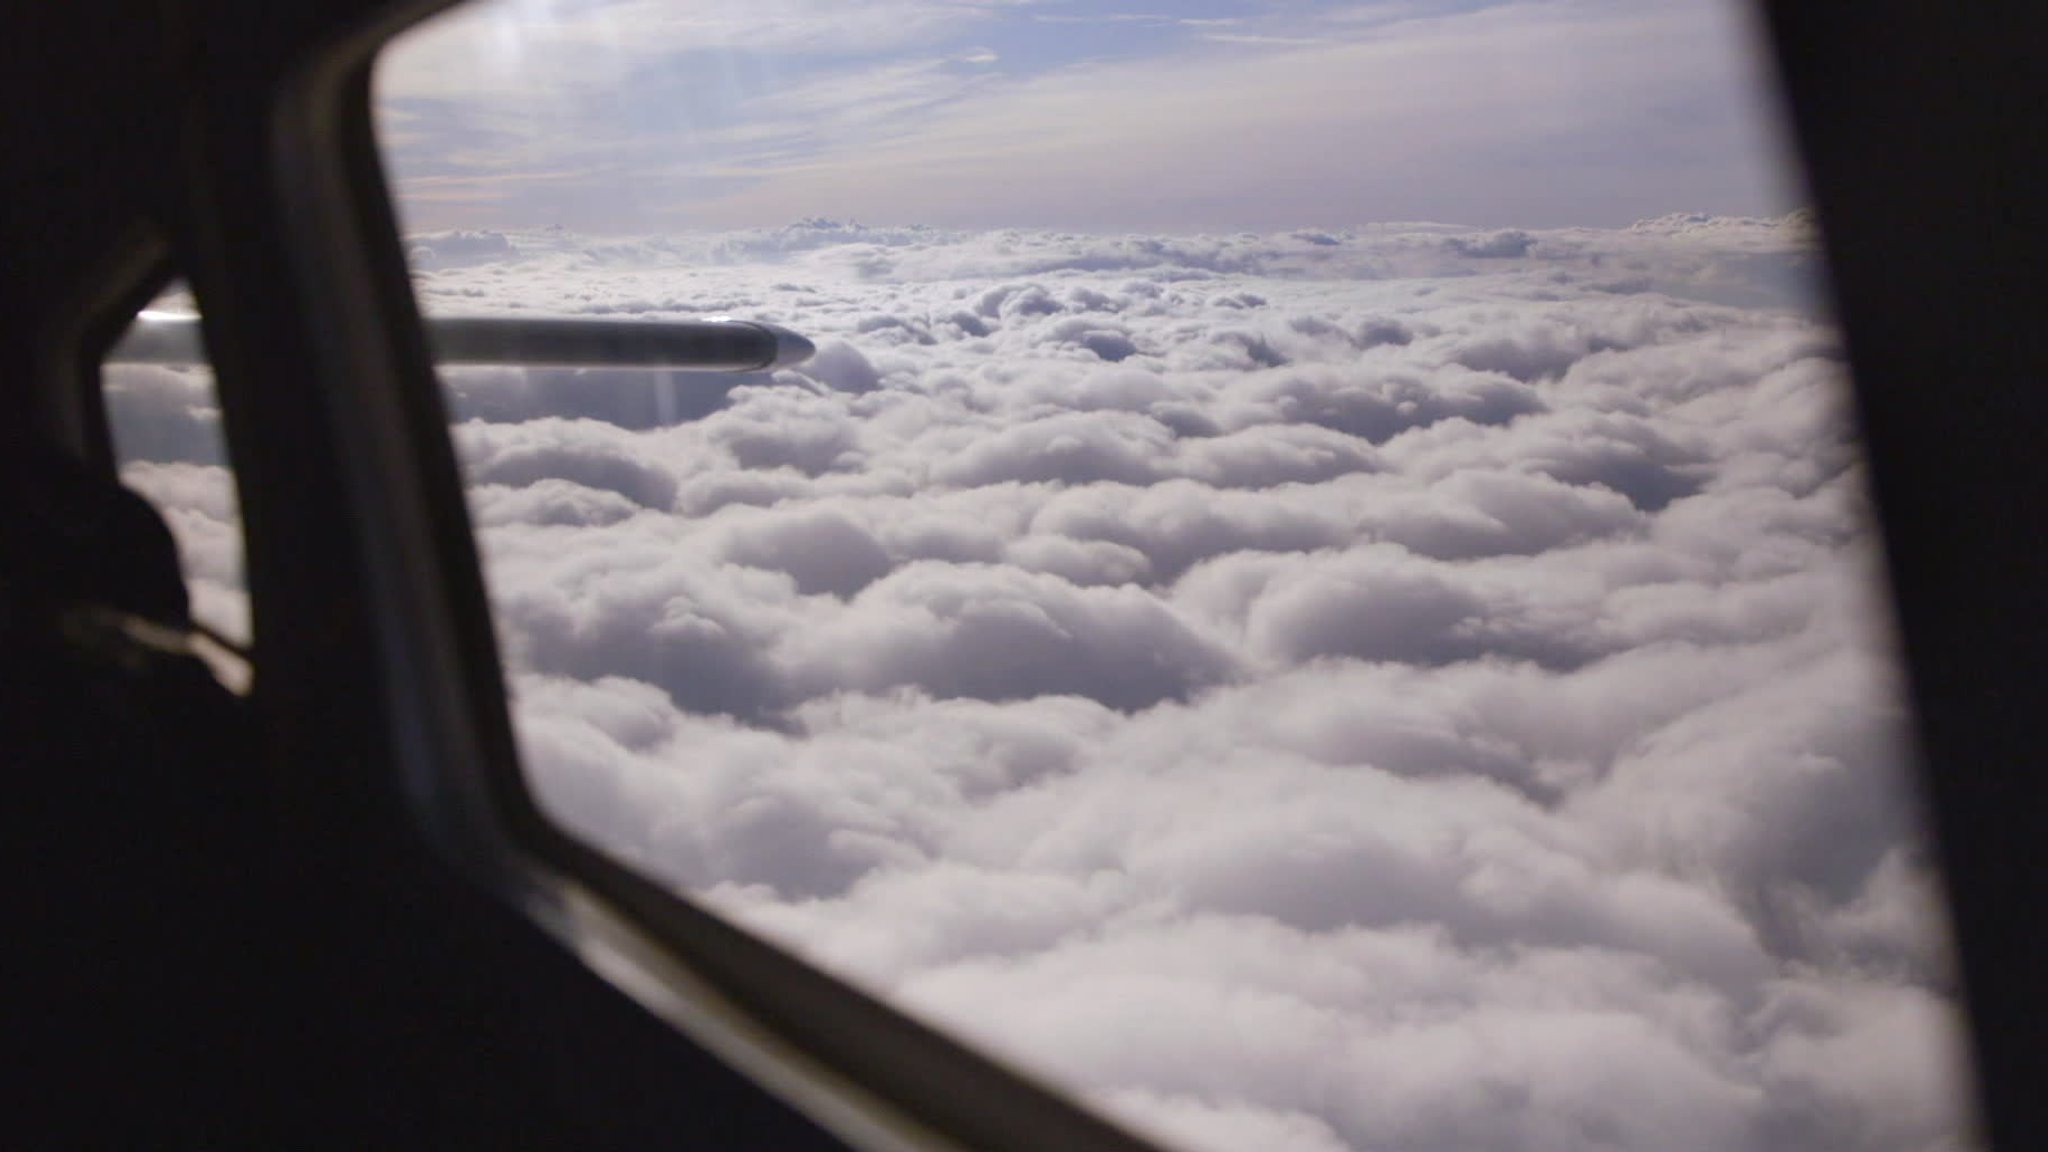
(82, 419)
(1949, 224)
(864, 1071)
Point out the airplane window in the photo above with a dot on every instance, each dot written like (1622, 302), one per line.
(164, 417)
(1314, 586)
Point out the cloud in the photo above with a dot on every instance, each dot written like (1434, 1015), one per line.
(1499, 245)
(163, 415)
(453, 249)
(1375, 687)
(165, 425)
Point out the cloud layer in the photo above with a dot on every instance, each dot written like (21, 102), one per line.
(1396, 688)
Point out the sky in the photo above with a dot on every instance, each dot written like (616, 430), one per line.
(1319, 589)
(622, 116)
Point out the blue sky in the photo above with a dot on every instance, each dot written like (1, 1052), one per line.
(637, 115)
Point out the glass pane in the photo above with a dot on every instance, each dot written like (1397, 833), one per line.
(1317, 590)
(165, 419)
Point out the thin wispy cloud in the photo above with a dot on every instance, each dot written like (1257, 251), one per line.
(1046, 114)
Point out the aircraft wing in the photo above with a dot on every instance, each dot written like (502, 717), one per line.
(717, 344)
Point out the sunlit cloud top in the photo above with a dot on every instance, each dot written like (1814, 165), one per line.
(622, 115)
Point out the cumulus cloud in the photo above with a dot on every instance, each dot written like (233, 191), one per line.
(1391, 687)
(163, 415)
(165, 424)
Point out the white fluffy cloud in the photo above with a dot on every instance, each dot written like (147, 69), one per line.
(1398, 688)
